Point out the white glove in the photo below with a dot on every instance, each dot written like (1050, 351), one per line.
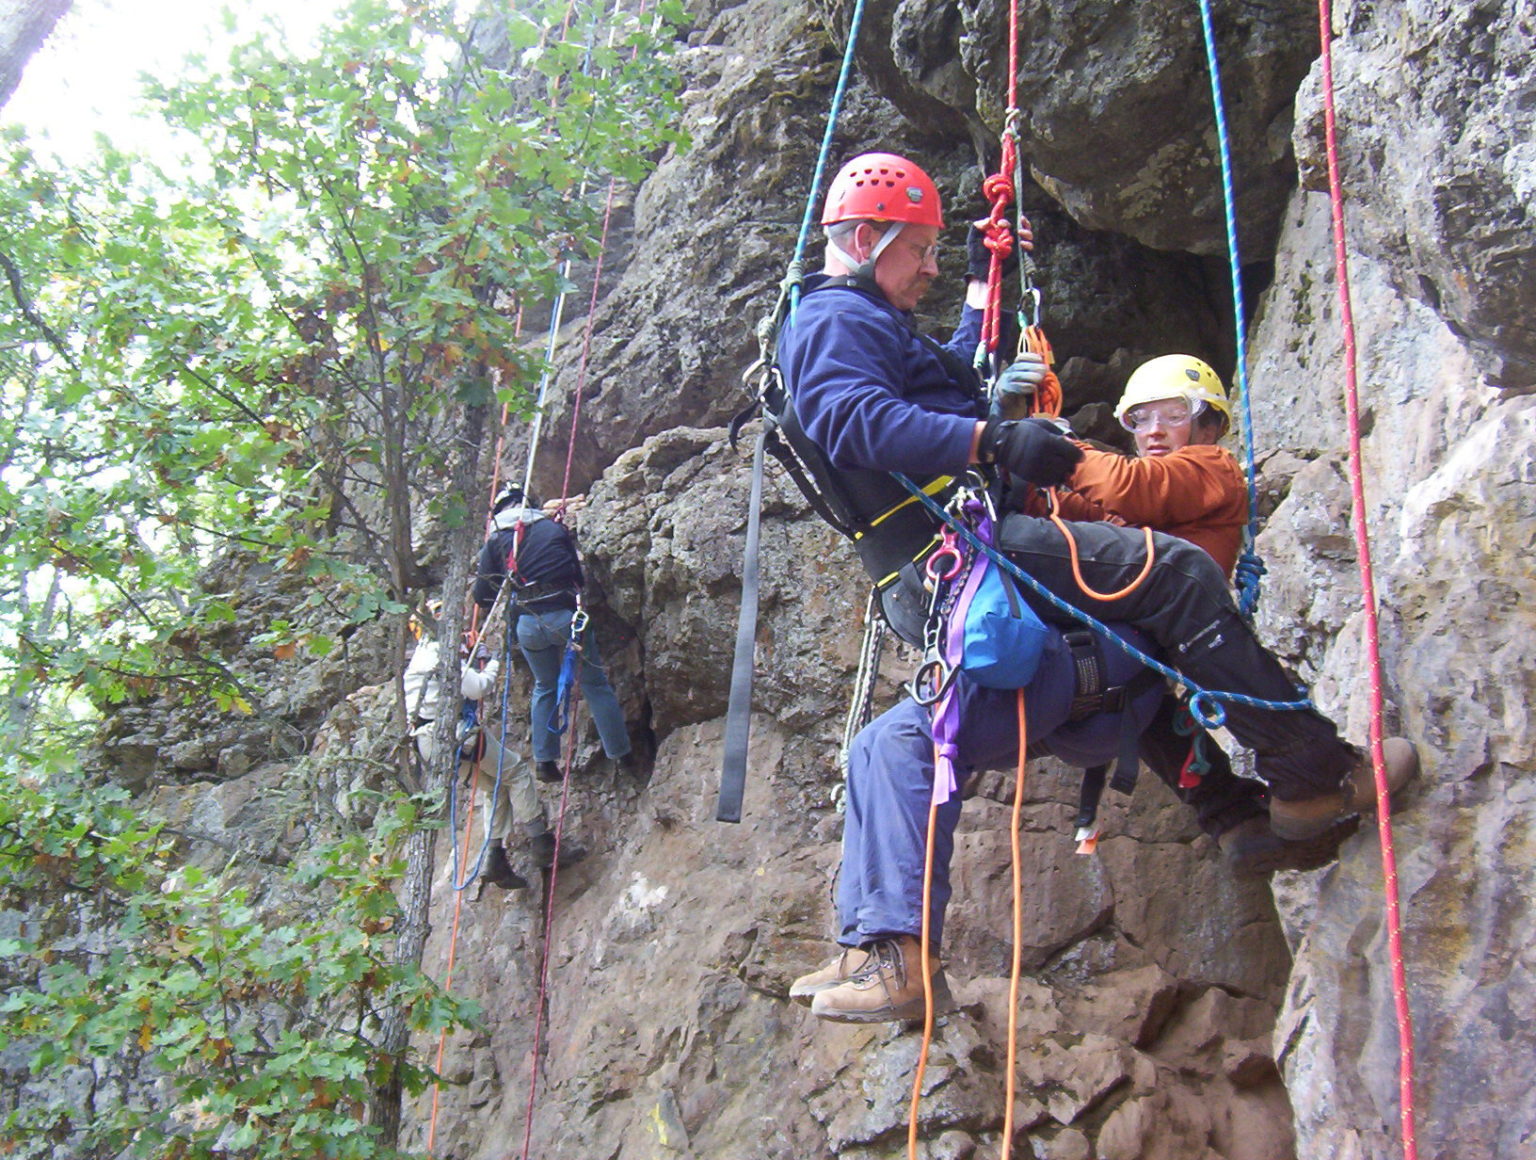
(476, 683)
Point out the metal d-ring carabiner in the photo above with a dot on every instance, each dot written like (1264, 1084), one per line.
(578, 626)
(932, 679)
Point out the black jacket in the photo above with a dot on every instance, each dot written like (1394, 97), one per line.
(547, 573)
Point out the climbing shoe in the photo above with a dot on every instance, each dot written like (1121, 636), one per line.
(839, 969)
(1311, 817)
(497, 871)
(886, 988)
(542, 847)
(1252, 849)
(547, 771)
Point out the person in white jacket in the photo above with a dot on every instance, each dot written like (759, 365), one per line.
(515, 810)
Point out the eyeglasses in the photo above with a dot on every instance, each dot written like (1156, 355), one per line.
(924, 253)
(1174, 413)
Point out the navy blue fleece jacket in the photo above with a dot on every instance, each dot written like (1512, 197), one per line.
(869, 391)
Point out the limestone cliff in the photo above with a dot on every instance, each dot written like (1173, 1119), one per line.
(1168, 1010)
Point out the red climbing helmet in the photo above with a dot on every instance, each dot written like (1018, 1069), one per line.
(884, 187)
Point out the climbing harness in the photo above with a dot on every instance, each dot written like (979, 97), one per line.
(1204, 704)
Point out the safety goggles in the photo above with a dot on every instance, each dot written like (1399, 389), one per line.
(1167, 412)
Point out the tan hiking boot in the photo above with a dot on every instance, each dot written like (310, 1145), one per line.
(1252, 849)
(839, 969)
(887, 988)
(1301, 820)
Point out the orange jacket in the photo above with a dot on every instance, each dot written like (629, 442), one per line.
(1197, 493)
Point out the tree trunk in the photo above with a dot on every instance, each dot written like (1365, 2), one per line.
(416, 886)
(24, 25)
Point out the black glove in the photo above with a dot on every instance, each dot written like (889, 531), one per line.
(1031, 449)
(978, 259)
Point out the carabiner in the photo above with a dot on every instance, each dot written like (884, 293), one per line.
(578, 625)
(932, 679)
(949, 547)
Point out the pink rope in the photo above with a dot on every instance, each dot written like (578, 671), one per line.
(549, 930)
(586, 345)
(1368, 597)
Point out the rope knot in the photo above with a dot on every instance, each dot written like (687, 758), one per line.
(1246, 575)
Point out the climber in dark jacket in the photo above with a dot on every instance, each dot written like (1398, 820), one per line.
(540, 556)
(874, 397)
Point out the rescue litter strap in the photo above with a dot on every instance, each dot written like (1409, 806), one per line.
(738, 717)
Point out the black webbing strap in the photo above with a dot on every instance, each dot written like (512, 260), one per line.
(1088, 795)
(738, 713)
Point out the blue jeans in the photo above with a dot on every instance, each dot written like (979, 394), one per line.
(542, 637)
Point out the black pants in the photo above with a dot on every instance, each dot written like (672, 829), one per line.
(1185, 605)
(1222, 799)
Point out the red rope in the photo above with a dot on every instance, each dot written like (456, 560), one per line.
(575, 691)
(1368, 598)
(998, 235)
(998, 190)
(549, 928)
(586, 345)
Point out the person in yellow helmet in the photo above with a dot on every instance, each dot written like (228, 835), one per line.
(1184, 483)
(1182, 480)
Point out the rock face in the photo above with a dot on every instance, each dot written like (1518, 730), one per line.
(1167, 1009)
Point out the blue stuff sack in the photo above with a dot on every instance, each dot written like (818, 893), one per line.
(1003, 638)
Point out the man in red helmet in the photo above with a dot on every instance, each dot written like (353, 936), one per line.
(868, 396)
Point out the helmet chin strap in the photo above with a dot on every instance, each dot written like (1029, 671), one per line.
(866, 268)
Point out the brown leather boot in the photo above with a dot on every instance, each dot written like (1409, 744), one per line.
(1310, 817)
(839, 969)
(497, 871)
(887, 988)
(1252, 849)
(542, 845)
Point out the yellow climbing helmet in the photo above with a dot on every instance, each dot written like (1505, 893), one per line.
(1174, 376)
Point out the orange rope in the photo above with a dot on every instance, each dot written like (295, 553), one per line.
(1077, 573)
(1018, 934)
(1048, 396)
(922, 1052)
(453, 943)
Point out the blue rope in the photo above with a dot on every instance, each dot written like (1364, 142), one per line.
(1204, 704)
(1249, 567)
(821, 158)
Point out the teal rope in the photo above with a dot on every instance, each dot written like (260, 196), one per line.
(1249, 566)
(1204, 704)
(826, 149)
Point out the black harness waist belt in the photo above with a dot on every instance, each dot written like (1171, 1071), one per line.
(540, 593)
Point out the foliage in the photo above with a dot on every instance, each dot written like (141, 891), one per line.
(264, 350)
(255, 1033)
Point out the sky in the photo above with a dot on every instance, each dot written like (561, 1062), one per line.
(85, 77)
